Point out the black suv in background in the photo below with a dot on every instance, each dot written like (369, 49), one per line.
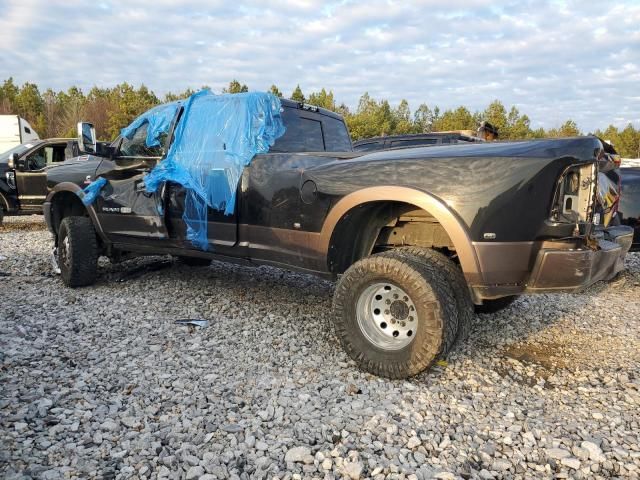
(23, 173)
(413, 140)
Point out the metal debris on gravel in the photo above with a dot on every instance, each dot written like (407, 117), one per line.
(191, 322)
(99, 383)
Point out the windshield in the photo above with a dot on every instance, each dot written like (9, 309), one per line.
(19, 149)
(147, 134)
(136, 146)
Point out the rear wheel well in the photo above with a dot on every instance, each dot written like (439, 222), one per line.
(378, 226)
(65, 204)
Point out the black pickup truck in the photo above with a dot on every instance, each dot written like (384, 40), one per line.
(414, 236)
(23, 173)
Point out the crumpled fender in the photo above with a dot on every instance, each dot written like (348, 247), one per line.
(78, 191)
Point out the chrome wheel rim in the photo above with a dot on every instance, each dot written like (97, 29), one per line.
(387, 316)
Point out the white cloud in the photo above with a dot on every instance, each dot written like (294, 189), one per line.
(574, 59)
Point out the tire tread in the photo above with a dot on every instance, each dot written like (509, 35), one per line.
(399, 269)
(83, 244)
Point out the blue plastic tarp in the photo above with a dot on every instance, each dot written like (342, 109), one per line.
(91, 191)
(215, 138)
(159, 119)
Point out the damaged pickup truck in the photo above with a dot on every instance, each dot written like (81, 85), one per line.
(414, 236)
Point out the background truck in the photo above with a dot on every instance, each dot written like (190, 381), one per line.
(414, 236)
(412, 140)
(14, 131)
(23, 173)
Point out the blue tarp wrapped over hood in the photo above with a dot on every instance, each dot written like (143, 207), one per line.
(215, 138)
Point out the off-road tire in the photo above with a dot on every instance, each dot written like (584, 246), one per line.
(457, 282)
(195, 261)
(1, 215)
(77, 251)
(435, 308)
(493, 306)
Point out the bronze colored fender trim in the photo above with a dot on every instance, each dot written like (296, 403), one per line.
(434, 206)
(73, 188)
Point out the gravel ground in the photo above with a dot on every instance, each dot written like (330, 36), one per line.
(101, 381)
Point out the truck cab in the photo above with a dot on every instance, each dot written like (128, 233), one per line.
(23, 173)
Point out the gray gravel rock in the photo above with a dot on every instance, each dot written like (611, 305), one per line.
(100, 382)
(595, 453)
(571, 462)
(352, 470)
(296, 454)
(557, 453)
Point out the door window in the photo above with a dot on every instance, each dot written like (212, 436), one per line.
(45, 156)
(38, 160)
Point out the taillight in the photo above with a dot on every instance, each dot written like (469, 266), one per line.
(576, 194)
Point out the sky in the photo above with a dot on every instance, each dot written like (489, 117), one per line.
(553, 60)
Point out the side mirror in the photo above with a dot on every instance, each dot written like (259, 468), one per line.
(87, 137)
(15, 162)
(11, 163)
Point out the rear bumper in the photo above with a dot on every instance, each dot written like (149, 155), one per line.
(574, 269)
(553, 266)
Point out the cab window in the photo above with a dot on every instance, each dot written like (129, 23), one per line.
(336, 135)
(302, 133)
(310, 131)
(45, 156)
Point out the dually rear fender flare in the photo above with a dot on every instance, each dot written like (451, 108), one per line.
(449, 220)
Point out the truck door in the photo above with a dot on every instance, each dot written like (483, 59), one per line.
(279, 205)
(222, 230)
(126, 211)
(31, 179)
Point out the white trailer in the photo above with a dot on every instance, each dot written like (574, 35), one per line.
(14, 131)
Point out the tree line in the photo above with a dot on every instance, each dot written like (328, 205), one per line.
(55, 113)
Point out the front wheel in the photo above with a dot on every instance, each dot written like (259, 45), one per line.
(390, 314)
(77, 251)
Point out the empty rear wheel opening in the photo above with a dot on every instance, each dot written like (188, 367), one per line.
(380, 226)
